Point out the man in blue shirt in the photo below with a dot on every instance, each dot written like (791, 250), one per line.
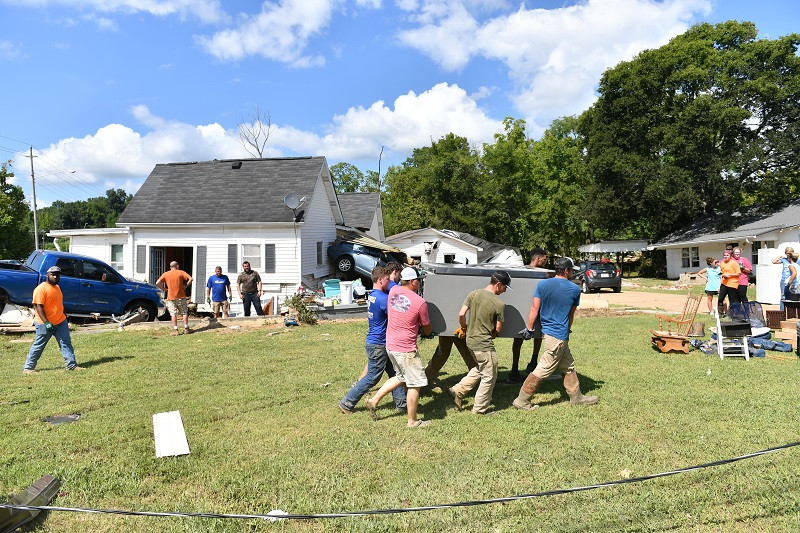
(217, 286)
(554, 303)
(377, 356)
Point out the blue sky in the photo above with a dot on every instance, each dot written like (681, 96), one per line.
(109, 88)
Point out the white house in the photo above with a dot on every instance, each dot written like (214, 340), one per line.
(752, 229)
(221, 213)
(430, 245)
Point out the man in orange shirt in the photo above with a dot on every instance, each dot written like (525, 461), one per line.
(50, 321)
(174, 281)
(730, 272)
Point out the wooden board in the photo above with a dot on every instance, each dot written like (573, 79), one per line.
(169, 434)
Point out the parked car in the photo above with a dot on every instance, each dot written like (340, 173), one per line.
(596, 275)
(89, 286)
(352, 259)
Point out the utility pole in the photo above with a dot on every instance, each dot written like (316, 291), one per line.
(35, 221)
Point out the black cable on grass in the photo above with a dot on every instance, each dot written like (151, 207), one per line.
(403, 509)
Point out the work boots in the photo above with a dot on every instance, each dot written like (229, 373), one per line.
(573, 387)
(529, 388)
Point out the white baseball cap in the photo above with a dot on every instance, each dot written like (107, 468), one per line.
(410, 273)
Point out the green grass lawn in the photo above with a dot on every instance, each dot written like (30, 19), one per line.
(636, 284)
(261, 419)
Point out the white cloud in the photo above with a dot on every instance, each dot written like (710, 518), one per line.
(117, 155)
(280, 32)
(208, 11)
(102, 23)
(554, 56)
(9, 50)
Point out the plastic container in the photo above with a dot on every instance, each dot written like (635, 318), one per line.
(331, 287)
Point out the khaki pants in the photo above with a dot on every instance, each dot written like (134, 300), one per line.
(557, 356)
(485, 376)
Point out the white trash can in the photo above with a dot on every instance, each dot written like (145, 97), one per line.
(347, 292)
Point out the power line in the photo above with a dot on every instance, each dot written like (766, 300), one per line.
(275, 515)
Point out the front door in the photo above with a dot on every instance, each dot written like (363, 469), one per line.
(157, 265)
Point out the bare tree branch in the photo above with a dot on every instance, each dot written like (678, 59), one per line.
(254, 133)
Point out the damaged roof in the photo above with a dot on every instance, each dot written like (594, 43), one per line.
(226, 191)
(358, 208)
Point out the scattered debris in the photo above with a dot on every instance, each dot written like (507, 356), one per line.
(15, 402)
(290, 321)
(325, 384)
(625, 474)
(40, 493)
(235, 327)
(169, 434)
(62, 419)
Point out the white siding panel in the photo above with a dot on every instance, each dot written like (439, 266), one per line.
(319, 225)
(414, 246)
(99, 247)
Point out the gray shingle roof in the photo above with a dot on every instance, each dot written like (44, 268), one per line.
(358, 208)
(216, 192)
(749, 221)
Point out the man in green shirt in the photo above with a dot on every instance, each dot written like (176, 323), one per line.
(486, 317)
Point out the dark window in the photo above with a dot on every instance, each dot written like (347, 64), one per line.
(67, 266)
(96, 271)
(449, 258)
(141, 259)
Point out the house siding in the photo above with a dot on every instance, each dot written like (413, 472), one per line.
(99, 247)
(319, 225)
(415, 247)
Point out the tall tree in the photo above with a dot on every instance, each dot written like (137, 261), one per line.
(693, 127)
(16, 231)
(435, 187)
(346, 177)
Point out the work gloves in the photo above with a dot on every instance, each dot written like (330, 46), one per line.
(208, 300)
(527, 334)
(49, 327)
(230, 297)
(460, 333)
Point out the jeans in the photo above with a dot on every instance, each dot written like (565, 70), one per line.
(61, 334)
(253, 298)
(377, 363)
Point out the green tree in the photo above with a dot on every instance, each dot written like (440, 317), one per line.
(98, 212)
(435, 187)
(16, 231)
(346, 177)
(556, 198)
(697, 126)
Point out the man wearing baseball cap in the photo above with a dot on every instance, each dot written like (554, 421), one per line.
(407, 317)
(486, 317)
(48, 302)
(554, 302)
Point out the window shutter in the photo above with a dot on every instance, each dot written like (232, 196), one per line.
(200, 269)
(269, 258)
(233, 261)
(141, 259)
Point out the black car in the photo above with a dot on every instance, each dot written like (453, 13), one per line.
(596, 275)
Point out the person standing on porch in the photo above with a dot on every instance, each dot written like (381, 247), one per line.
(174, 281)
(249, 285)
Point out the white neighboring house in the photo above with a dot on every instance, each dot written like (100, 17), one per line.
(752, 229)
(363, 211)
(221, 213)
(431, 245)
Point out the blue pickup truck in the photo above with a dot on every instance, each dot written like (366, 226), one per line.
(89, 286)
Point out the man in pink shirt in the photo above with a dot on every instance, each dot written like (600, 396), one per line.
(408, 317)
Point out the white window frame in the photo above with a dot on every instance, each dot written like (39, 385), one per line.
(252, 253)
(320, 255)
(119, 266)
(695, 256)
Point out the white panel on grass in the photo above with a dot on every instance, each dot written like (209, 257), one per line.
(169, 434)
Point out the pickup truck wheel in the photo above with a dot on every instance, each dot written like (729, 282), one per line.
(149, 309)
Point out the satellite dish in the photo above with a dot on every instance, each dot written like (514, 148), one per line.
(292, 201)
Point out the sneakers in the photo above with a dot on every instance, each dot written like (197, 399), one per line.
(29, 371)
(420, 424)
(456, 397)
(76, 367)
